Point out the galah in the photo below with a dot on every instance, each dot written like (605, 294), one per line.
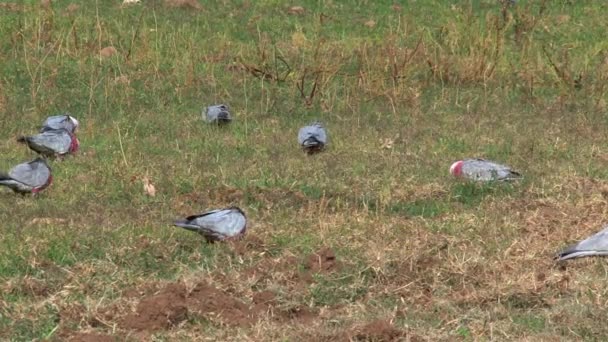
(595, 245)
(67, 122)
(218, 114)
(217, 225)
(31, 177)
(483, 170)
(52, 142)
(312, 138)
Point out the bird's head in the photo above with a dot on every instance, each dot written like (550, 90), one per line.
(75, 122)
(456, 168)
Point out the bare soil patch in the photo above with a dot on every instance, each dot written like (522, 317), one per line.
(175, 303)
(161, 311)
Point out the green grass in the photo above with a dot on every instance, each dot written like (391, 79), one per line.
(404, 92)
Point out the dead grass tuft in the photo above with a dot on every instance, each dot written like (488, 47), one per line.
(185, 4)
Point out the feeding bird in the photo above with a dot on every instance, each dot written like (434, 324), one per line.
(483, 170)
(31, 177)
(595, 245)
(52, 142)
(217, 225)
(312, 138)
(219, 114)
(67, 122)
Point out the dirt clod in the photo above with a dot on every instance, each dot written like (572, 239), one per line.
(108, 51)
(161, 311)
(380, 330)
(322, 261)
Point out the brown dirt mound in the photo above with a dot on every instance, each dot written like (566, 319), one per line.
(174, 304)
(322, 261)
(161, 311)
(379, 330)
(209, 301)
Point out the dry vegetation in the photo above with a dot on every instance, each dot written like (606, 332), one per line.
(370, 240)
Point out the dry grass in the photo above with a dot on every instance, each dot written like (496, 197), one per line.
(367, 241)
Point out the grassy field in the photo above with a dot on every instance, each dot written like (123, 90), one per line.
(371, 240)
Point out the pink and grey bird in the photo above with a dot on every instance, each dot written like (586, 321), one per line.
(595, 245)
(31, 177)
(217, 225)
(483, 170)
(52, 142)
(217, 114)
(312, 138)
(67, 122)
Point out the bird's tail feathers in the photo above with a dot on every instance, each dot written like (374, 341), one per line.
(573, 254)
(4, 176)
(516, 174)
(311, 142)
(224, 116)
(184, 224)
(22, 139)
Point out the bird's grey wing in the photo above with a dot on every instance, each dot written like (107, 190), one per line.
(226, 222)
(33, 174)
(594, 245)
(56, 140)
(211, 113)
(307, 132)
(485, 170)
(302, 135)
(58, 122)
(321, 135)
(218, 112)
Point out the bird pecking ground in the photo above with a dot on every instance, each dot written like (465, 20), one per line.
(371, 240)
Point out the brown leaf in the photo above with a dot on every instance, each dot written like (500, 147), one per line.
(108, 51)
(370, 23)
(149, 188)
(46, 220)
(296, 10)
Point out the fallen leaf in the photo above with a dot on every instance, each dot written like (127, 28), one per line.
(149, 188)
(387, 143)
(46, 220)
(296, 10)
(108, 51)
(370, 23)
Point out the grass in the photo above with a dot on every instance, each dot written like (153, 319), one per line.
(404, 91)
